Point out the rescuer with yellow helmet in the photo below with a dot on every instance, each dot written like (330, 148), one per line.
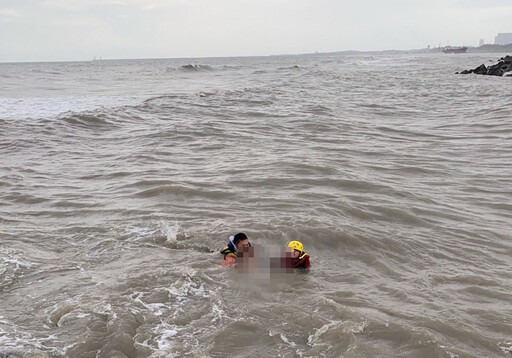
(300, 258)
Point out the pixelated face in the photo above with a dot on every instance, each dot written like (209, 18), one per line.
(246, 251)
(293, 253)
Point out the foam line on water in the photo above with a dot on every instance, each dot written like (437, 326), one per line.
(36, 107)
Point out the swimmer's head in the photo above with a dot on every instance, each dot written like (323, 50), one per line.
(295, 248)
(241, 240)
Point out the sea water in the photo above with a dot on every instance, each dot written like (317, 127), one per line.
(121, 181)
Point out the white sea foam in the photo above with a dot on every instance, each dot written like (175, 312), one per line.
(187, 286)
(12, 266)
(134, 234)
(165, 337)
(156, 309)
(10, 256)
(218, 312)
(14, 341)
(315, 338)
(287, 341)
(506, 347)
(39, 107)
(171, 231)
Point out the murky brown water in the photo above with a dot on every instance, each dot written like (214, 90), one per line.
(121, 180)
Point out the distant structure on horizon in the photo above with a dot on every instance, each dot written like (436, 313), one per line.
(451, 49)
(503, 38)
(482, 42)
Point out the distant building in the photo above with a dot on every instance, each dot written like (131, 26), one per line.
(503, 38)
(481, 43)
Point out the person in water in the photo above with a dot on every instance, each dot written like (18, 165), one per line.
(236, 246)
(299, 258)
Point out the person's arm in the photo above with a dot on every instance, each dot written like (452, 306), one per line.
(303, 263)
(307, 264)
(229, 260)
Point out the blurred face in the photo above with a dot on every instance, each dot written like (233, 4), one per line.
(243, 244)
(294, 253)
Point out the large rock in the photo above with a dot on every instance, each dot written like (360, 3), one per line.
(480, 70)
(501, 68)
(506, 59)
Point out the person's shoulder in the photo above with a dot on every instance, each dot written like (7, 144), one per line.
(226, 250)
(305, 255)
(228, 261)
(231, 256)
(306, 260)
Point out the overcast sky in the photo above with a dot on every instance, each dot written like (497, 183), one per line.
(43, 30)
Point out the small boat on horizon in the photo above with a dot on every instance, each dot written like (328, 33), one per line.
(450, 49)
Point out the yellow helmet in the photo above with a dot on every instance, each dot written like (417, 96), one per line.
(296, 245)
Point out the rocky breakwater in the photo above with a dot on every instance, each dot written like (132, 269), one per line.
(502, 68)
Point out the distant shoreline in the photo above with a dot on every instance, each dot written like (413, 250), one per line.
(480, 49)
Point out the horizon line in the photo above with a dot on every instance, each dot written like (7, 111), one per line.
(348, 52)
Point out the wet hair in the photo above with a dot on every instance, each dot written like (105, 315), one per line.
(239, 237)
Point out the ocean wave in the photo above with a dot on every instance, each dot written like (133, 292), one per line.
(196, 68)
(99, 120)
(36, 110)
(293, 67)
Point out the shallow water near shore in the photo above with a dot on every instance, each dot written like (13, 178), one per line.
(121, 180)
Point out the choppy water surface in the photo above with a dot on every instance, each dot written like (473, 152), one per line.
(121, 180)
